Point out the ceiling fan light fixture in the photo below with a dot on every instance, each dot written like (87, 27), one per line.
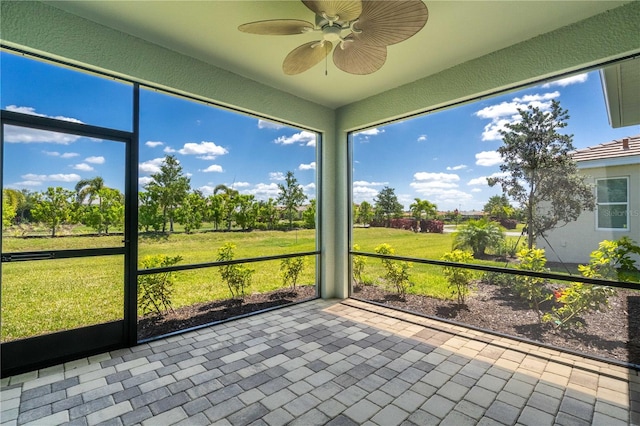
(373, 25)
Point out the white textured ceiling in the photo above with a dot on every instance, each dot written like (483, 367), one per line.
(456, 32)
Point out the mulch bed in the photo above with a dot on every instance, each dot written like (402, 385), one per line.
(210, 312)
(613, 334)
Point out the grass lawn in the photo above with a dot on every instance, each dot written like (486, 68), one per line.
(52, 295)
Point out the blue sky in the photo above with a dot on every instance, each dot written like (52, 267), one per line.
(214, 146)
(443, 157)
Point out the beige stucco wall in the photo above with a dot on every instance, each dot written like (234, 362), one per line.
(39, 28)
(574, 242)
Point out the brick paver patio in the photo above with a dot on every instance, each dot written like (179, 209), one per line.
(327, 362)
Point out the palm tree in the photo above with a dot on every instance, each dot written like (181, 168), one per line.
(228, 202)
(478, 235)
(420, 206)
(89, 188)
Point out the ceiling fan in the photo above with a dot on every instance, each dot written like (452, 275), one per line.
(362, 30)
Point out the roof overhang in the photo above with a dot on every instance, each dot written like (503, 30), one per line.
(621, 85)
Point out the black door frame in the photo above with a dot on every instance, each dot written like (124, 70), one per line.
(41, 351)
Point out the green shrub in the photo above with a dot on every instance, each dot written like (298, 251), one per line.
(397, 271)
(237, 277)
(612, 260)
(155, 290)
(357, 266)
(290, 270)
(576, 300)
(531, 289)
(459, 278)
(508, 247)
(478, 235)
(497, 278)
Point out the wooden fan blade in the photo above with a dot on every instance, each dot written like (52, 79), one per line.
(276, 27)
(345, 10)
(306, 56)
(359, 58)
(389, 22)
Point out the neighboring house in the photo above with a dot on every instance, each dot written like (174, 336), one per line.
(613, 168)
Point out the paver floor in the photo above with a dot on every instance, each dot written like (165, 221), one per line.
(327, 362)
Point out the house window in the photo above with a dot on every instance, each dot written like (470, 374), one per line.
(612, 197)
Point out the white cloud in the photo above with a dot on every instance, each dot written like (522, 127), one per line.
(153, 144)
(69, 155)
(84, 167)
(436, 177)
(309, 190)
(276, 176)
(482, 180)
(537, 97)
(208, 149)
(441, 194)
(458, 167)
(144, 180)
(310, 166)
(95, 160)
(169, 150)
(303, 138)
(32, 111)
(441, 188)
(476, 190)
(151, 166)
(216, 168)
(507, 112)
(27, 183)
(492, 130)
(264, 124)
(422, 138)
(264, 191)
(365, 183)
(15, 134)
(488, 158)
(364, 193)
(369, 132)
(58, 177)
(239, 185)
(207, 190)
(563, 82)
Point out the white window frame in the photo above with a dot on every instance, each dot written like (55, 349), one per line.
(626, 203)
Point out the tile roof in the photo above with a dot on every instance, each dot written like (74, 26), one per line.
(613, 149)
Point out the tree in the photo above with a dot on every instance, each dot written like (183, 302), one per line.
(542, 176)
(170, 187)
(191, 212)
(365, 213)
(420, 206)
(149, 216)
(228, 202)
(89, 188)
(291, 196)
(387, 205)
(245, 215)
(214, 210)
(53, 207)
(8, 208)
(309, 215)
(499, 207)
(478, 235)
(268, 213)
(27, 202)
(109, 212)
